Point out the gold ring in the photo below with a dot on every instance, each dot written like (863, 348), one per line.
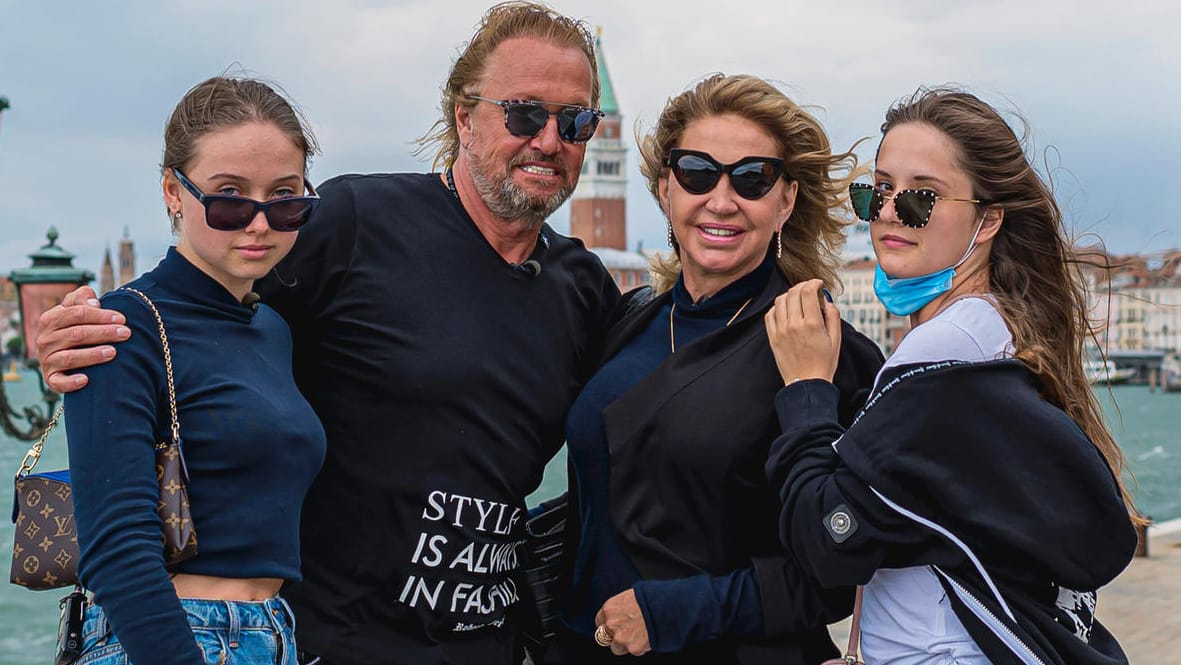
(602, 637)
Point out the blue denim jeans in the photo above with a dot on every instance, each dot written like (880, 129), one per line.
(228, 632)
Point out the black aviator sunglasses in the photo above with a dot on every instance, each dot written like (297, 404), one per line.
(913, 206)
(750, 177)
(526, 118)
(234, 213)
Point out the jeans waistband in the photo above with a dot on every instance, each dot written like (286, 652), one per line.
(230, 615)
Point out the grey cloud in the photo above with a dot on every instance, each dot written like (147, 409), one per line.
(92, 83)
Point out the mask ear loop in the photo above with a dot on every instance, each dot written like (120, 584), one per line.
(971, 244)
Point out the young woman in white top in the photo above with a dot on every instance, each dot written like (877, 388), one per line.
(977, 497)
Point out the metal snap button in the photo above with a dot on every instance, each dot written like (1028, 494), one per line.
(840, 523)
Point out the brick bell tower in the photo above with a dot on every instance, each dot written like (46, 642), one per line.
(126, 258)
(106, 280)
(597, 209)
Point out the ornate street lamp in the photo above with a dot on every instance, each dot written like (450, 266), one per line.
(39, 287)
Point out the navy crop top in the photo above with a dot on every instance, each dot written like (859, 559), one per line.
(251, 442)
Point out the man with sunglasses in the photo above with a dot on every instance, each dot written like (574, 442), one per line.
(441, 331)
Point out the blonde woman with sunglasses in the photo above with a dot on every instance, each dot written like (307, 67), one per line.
(977, 496)
(678, 556)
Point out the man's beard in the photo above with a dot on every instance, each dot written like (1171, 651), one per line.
(507, 200)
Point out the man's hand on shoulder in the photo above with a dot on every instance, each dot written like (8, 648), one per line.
(74, 335)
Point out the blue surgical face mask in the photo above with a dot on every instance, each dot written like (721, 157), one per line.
(904, 296)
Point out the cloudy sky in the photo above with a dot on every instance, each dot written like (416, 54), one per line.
(92, 83)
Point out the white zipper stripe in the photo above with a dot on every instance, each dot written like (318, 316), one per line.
(999, 629)
(1007, 636)
(959, 543)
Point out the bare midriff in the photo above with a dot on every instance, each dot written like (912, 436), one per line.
(208, 587)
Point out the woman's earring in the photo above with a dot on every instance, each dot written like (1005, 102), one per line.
(670, 234)
(176, 217)
(779, 244)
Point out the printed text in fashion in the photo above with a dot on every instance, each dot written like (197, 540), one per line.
(450, 544)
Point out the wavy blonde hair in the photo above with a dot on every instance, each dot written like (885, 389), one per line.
(507, 20)
(813, 236)
(1032, 271)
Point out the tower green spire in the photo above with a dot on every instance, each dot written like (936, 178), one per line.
(607, 103)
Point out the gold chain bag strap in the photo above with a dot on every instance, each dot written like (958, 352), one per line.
(851, 657)
(45, 549)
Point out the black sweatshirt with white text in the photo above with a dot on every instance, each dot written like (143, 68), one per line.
(442, 375)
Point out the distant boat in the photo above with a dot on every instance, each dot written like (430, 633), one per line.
(1171, 371)
(1103, 372)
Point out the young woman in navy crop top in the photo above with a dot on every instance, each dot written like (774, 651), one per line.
(235, 159)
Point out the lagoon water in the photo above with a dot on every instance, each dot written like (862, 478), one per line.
(1147, 425)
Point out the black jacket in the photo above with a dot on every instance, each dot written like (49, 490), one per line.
(966, 468)
(688, 444)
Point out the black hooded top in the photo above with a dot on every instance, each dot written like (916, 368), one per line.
(964, 467)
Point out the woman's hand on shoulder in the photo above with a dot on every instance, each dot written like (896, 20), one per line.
(804, 329)
(623, 621)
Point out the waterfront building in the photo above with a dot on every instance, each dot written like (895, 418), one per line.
(858, 303)
(1149, 318)
(1127, 328)
(1138, 300)
(126, 258)
(106, 274)
(1161, 303)
(1125, 312)
(8, 311)
(598, 214)
(1099, 305)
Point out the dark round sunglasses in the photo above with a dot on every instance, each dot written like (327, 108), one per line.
(750, 177)
(234, 213)
(913, 206)
(526, 118)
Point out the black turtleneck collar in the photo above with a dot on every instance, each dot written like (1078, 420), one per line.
(177, 275)
(729, 298)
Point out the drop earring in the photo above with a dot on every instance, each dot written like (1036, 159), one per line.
(670, 234)
(779, 244)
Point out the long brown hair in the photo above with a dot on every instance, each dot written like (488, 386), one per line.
(813, 236)
(1032, 272)
(507, 20)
